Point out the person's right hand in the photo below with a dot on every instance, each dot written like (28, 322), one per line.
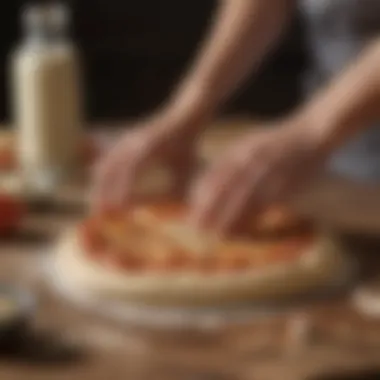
(162, 140)
(264, 168)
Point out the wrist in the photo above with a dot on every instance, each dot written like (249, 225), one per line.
(193, 101)
(184, 117)
(319, 129)
(171, 122)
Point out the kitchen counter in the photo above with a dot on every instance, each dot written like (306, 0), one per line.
(340, 339)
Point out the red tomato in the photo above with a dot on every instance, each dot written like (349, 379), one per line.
(12, 211)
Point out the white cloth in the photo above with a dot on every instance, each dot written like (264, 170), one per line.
(337, 31)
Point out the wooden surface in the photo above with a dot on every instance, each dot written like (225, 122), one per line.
(261, 349)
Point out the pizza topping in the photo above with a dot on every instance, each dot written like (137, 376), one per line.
(278, 221)
(177, 260)
(234, 262)
(189, 239)
(141, 241)
(91, 240)
(289, 249)
(208, 264)
(117, 260)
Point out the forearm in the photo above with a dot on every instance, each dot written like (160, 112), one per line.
(349, 104)
(242, 34)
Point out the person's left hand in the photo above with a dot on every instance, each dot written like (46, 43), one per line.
(260, 169)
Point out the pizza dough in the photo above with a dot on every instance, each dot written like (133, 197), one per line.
(321, 262)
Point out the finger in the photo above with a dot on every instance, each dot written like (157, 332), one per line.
(245, 201)
(121, 194)
(282, 185)
(106, 178)
(208, 197)
(103, 180)
(271, 189)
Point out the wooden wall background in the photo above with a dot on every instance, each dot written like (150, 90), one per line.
(134, 51)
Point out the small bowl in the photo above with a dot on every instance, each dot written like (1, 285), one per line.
(15, 320)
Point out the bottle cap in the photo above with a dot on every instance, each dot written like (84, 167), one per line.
(59, 16)
(45, 21)
(34, 20)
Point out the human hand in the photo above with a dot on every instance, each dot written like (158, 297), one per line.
(261, 169)
(162, 140)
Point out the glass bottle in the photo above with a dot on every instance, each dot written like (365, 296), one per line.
(46, 99)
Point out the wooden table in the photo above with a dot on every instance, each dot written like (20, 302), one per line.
(257, 350)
